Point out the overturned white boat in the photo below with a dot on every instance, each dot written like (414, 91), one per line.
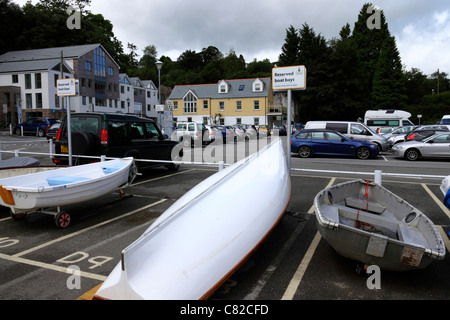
(54, 188)
(196, 244)
(367, 223)
(445, 188)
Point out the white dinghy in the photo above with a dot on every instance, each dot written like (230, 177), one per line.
(196, 244)
(54, 188)
(367, 223)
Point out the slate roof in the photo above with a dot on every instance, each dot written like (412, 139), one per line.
(42, 59)
(206, 91)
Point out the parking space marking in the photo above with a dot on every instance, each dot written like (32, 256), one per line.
(87, 229)
(439, 202)
(50, 266)
(159, 178)
(444, 237)
(299, 273)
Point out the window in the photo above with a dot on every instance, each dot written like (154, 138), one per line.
(88, 66)
(221, 106)
(333, 136)
(57, 101)
(205, 104)
(190, 103)
(318, 135)
(238, 105)
(28, 101)
(100, 62)
(241, 87)
(37, 81)
(256, 105)
(256, 121)
(223, 88)
(28, 81)
(39, 100)
(15, 78)
(175, 105)
(122, 89)
(238, 121)
(110, 71)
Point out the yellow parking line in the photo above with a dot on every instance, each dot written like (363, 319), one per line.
(439, 202)
(299, 273)
(444, 237)
(90, 294)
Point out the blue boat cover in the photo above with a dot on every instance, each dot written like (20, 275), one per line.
(447, 199)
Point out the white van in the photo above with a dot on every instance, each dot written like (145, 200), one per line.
(445, 119)
(376, 119)
(353, 130)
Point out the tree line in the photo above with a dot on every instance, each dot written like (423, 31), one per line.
(359, 70)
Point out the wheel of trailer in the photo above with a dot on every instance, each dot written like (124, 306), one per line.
(17, 216)
(62, 219)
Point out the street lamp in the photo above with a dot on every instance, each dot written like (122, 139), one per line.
(159, 65)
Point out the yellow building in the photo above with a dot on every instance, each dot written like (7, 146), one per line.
(241, 101)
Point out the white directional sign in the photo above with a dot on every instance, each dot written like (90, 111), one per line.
(66, 87)
(289, 78)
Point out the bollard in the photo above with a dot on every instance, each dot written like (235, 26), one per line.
(378, 177)
(103, 158)
(221, 165)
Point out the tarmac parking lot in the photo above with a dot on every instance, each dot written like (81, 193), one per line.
(294, 263)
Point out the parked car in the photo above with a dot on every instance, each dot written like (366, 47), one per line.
(298, 126)
(264, 130)
(354, 130)
(37, 126)
(435, 146)
(53, 131)
(240, 133)
(213, 133)
(420, 134)
(190, 133)
(115, 135)
(250, 130)
(227, 134)
(280, 130)
(398, 134)
(327, 142)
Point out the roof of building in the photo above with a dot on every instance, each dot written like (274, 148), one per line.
(29, 60)
(34, 65)
(238, 88)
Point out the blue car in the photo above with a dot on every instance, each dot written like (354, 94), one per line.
(327, 142)
(37, 126)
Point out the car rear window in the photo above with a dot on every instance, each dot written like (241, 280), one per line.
(89, 124)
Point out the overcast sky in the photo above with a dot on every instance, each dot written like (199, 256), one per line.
(257, 28)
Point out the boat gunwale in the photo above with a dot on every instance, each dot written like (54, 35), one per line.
(437, 253)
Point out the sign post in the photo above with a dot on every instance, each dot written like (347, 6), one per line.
(67, 88)
(288, 79)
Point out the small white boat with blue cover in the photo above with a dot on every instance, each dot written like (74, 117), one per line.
(69, 185)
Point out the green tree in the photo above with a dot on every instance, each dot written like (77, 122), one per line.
(290, 50)
(389, 91)
(368, 44)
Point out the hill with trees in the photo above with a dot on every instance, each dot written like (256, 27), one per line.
(359, 70)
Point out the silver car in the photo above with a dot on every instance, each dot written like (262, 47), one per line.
(436, 146)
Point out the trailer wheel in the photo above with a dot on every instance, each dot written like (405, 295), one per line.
(17, 216)
(62, 219)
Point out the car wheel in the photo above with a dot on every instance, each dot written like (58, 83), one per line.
(304, 152)
(363, 153)
(412, 154)
(18, 131)
(41, 133)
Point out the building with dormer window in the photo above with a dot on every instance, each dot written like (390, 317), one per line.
(228, 102)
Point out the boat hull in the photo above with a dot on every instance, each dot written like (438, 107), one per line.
(193, 247)
(65, 186)
(395, 239)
